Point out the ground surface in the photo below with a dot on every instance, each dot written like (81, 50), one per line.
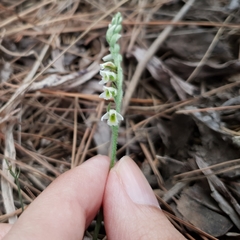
(181, 100)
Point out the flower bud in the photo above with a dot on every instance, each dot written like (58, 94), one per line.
(114, 39)
(110, 33)
(118, 29)
(109, 57)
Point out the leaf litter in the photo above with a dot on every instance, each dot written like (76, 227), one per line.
(181, 102)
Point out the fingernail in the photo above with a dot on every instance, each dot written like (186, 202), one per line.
(134, 182)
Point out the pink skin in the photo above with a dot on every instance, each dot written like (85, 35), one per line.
(68, 205)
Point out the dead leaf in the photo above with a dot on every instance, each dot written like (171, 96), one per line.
(200, 216)
(170, 83)
(208, 70)
(221, 194)
(194, 46)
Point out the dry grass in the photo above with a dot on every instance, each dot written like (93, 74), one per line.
(49, 105)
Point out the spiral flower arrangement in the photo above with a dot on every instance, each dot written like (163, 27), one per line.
(111, 71)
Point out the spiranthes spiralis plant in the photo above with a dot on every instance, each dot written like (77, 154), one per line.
(111, 72)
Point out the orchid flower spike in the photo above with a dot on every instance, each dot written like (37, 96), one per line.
(112, 73)
(113, 117)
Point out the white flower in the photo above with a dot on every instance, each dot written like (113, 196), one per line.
(107, 76)
(113, 117)
(108, 65)
(109, 92)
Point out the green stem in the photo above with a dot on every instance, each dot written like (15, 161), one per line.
(98, 224)
(118, 102)
(114, 141)
(19, 194)
(16, 176)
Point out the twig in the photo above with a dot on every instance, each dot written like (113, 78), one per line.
(29, 10)
(189, 225)
(74, 133)
(18, 54)
(221, 108)
(25, 32)
(209, 51)
(25, 87)
(188, 102)
(151, 51)
(38, 60)
(101, 105)
(7, 191)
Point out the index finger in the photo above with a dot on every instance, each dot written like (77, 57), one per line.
(67, 206)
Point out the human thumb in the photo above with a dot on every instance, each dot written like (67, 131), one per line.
(131, 210)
